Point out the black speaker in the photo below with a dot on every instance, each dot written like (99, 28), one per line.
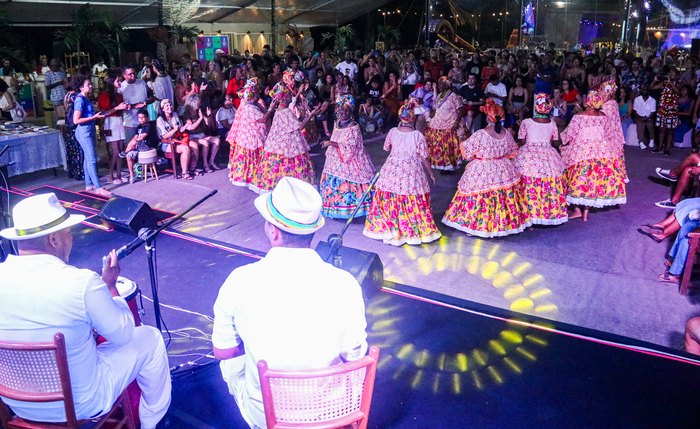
(128, 215)
(366, 267)
(695, 47)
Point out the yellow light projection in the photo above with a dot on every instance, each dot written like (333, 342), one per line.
(490, 364)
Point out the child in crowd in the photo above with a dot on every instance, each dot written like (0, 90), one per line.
(224, 117)
(140, 142)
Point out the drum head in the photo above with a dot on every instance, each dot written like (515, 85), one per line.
(127, 288)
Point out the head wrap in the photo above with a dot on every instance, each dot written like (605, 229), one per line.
(407, 113)
(594, 100)
(345, 100)
(491, 110)
(279, 92)
(249, 90)
(543, 105)
(445, 79)
(288, 78)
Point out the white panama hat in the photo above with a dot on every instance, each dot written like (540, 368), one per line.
(294, 206)
(37, 216)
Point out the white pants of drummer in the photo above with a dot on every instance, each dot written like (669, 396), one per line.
(144, 359)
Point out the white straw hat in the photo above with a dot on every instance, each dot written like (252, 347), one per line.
(293, 206)
(37, 216)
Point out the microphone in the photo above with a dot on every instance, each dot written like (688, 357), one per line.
(126, 249)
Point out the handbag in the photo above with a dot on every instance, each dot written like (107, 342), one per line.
(17, 112)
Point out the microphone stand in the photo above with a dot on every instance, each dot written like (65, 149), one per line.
(5, 218)
(148, 236)
(335, 241)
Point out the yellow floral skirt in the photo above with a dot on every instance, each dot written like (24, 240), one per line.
(273, 167)
(443, 149)
(401, 219)
(545, 199)
(243, 164)
(595, 183)
(340, 197)
(493, 213)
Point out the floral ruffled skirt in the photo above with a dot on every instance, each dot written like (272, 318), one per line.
(340, 197)
(273, 167)
(443, 149)
(595, 183)
(545, 199)
(492, 213)
(401, 219)
(243, 164)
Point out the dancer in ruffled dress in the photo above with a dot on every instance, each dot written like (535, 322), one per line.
(401, 212)
(348, 169)
(286, 152)
(540, 166)
(247, 136)
(593, 174)
(441, 133)
(488, 202)
(613, 126)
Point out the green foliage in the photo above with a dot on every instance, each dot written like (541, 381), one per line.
(340, 38)
(92, 31)
(10, 43)
(388, 34)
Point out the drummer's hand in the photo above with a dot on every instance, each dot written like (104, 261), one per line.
(110, 272)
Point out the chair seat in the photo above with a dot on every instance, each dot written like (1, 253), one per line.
(148, 156)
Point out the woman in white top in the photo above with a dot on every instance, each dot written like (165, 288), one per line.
(170, 127)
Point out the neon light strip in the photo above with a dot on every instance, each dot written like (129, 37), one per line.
(644, 350)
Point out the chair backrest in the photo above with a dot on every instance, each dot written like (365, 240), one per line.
(37, 372)
(332, 397)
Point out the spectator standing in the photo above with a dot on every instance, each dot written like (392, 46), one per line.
(347, 67)
(643, 110)
(135, 94)
(56, 83)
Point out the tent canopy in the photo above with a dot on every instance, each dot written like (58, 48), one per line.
(137, 13)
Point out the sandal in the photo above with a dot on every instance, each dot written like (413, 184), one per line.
(653, 228)
(208, 170)
(198, 172)
(214, 167)
(188, 176)
(669, 278)
(644, 230)
(102, 192)
(667, 263)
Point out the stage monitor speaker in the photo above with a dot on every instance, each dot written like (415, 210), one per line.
(695, 47)
(128, 215)
(366, 267)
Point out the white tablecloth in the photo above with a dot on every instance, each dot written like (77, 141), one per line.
(31, 152)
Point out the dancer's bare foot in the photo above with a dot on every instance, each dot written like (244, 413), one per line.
(575, 214)
(585, 215)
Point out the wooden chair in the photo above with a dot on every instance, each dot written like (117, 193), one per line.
(333, 397)
(694, 244)
(173, 156)
(38, 372)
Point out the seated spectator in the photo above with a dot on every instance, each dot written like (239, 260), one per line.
(559, 110)
(224, 117)
(171, 129)
(323, 314)
(140, 142)
(497, 90)
(683, 173)
(370, 116)
(196, 120)
(684, 220)
(473, 98)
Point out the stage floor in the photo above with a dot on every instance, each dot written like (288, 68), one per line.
(599, 275)
(445, 362)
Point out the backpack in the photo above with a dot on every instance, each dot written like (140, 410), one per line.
(70, 103)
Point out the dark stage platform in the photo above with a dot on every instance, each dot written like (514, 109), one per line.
(444, 363)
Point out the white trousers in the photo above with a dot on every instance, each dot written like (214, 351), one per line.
(234, 374)
(145, 360)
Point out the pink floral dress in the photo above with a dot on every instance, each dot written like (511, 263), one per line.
(593, 175)
(488, 201)
(346, 174)
(286, 153)
(246, 137)
(443, 144)
(541, 172)
(401, 212)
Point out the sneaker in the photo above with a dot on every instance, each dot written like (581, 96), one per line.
(666, 174)
(642, 146)
(132, 179)
(122, 154)
(665, 204)
(651, 144)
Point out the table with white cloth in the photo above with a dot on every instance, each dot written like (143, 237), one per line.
(33, 151)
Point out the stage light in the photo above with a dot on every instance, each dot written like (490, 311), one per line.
(635, 14)
(647, 6)
(658, 35)
(560, 4)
